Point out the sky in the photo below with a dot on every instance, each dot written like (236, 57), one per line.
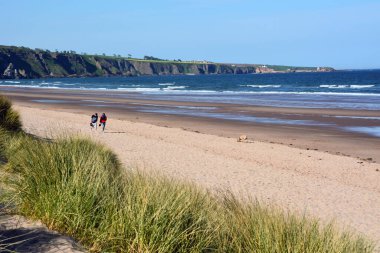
(344, 34)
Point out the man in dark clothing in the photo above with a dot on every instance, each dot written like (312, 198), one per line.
(94, 121)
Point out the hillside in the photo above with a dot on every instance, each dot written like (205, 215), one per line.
(21, 62)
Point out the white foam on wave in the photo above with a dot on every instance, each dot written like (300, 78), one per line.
(306, 93)
(175, 88)
(12, 82)
(346, 86)
(334, 86)
(263, 85)
(184, 90)
(211, 92)
(166, 84)
(139, 89)
(31, 86)
(49, 84)
(362, 86)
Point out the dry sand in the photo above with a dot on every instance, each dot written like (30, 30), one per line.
(324, 185)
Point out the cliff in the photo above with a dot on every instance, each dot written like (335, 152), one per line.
(21, 62)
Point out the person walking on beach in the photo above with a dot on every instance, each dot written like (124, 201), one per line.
(94, 121)
(103, 120)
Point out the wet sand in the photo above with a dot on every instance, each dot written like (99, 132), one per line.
(324, 129)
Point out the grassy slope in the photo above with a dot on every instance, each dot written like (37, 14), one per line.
(78, 187)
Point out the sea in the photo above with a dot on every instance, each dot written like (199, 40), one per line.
(351, 90)
(357, 90)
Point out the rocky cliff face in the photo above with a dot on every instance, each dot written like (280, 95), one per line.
(20, 62)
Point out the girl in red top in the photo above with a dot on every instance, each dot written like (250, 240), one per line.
(103, 120)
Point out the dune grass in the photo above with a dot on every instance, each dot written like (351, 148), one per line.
(79, 188)
(9, 118)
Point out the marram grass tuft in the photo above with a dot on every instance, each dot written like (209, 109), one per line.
(9, 118)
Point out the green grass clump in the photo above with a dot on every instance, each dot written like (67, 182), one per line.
(78, 187)
(253, 227)
(9, 119)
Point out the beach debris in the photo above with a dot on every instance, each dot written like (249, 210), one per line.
(244, 138)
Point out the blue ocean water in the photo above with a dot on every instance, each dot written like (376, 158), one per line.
(341, 89)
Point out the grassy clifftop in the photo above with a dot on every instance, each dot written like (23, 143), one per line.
(22, 62)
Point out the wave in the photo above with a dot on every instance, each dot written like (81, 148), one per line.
(170, 88)
(314, 93)
(362, 86)
(166, 84)
(174, 87)
(346, 86)
(32, 86)
(12, 82)
(263, 85)
(184, 90)
(334, 86)
(138, 89)
(211, 92)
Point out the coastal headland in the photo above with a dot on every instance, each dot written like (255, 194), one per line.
(22, 62)
(327, 173)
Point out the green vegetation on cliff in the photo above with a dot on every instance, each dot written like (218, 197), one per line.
(22, 62)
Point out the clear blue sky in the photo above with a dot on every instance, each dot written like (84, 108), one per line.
(338, 33)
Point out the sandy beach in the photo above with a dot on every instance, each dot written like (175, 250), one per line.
(326, 133)
(301, 177)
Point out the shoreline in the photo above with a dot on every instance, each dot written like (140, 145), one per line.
(128, 106)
